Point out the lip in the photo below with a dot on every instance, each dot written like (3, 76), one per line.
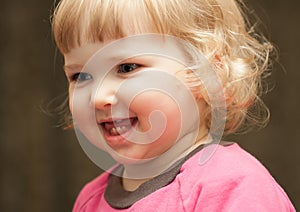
(120, 139)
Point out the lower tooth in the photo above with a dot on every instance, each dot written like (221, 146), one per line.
(113, 131)
(124, 129)
(119, 130)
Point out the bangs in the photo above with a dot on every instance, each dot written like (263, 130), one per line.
(78, 21)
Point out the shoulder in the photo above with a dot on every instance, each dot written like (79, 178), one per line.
(216, 164)
(218, 161)
(219, 176)
(91, 191)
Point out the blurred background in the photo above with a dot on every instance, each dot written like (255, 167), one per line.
(43, 167)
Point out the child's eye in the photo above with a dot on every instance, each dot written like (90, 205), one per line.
(81, 77)
(127, 67)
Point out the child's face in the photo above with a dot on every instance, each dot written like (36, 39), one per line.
(116, 103)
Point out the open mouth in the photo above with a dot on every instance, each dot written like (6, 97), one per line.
(119, 126)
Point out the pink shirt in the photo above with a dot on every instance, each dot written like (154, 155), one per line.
(231, 180)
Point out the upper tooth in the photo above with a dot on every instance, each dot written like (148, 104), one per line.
(118, 121)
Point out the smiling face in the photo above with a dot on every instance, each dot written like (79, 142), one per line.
(134, 103)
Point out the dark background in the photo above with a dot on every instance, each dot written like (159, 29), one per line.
(43, 167)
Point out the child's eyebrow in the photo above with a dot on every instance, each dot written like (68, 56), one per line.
(73, 67)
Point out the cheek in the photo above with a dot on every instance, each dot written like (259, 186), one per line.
(162, 108)
(84, 116)
(79, 102)
(71, 104)
(79, 110)
(72, 98)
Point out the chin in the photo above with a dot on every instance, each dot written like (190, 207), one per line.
(130, 159)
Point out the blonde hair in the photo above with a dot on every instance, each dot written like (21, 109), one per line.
(218, 28)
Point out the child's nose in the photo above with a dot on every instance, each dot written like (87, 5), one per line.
(103, 98)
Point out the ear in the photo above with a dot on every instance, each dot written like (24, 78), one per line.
(217, 66)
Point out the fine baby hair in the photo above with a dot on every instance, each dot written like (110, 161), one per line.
(121, 68)
(217, 28)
